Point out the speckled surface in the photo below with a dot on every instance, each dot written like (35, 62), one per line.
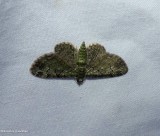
(67, 62)
(125, 106)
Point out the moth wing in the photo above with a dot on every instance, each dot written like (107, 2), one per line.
(93, 52)
(67, 52)
(106, 65)
(50, 66)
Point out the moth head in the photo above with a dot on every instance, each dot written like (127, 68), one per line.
(80, 81)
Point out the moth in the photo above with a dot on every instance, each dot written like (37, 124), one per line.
(86, 62)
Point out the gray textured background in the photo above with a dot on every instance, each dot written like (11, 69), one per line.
(125, 106)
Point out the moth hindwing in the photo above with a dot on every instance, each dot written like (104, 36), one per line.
(68, 62)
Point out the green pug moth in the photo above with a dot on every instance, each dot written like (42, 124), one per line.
(69, 62)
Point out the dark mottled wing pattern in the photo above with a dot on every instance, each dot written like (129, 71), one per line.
(94, 51)
(62, 63)
(67, 52)
(58, 64)
(104, 64)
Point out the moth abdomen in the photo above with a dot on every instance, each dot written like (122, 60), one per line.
(82, 55)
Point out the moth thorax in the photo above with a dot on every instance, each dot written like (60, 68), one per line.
(81, 72)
